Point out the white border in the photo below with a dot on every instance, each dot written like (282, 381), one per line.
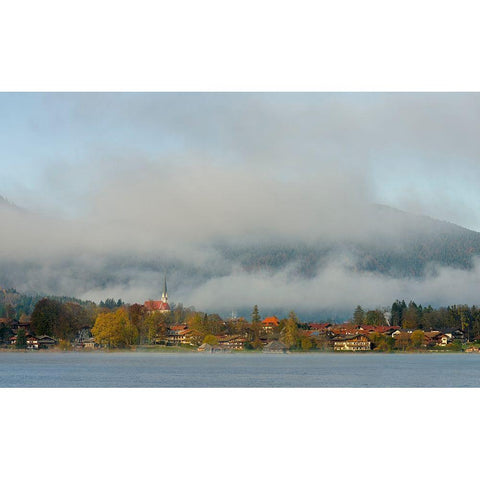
(241, 46)
(215, 45)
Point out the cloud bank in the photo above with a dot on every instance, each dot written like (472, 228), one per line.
(139, 185)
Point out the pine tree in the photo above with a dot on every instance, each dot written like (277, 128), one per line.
(21, 339)
(411, 317)
(358, 315)
(255, 314)
(398, 308)
(256, 326)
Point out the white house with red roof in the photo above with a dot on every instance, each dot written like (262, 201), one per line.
(269, 323)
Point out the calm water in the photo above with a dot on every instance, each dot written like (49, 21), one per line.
(44, 369)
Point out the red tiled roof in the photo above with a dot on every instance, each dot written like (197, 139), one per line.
(156, 305)
(179, 327)
(319, 326)
(271, 321)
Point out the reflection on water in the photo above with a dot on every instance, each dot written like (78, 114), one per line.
(45, 369)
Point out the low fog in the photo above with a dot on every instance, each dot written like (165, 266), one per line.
(179, 184)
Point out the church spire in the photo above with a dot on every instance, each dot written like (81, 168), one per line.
(165, 294)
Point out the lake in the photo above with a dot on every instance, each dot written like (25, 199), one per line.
(100, 369)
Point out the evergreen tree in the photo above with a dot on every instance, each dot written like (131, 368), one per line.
(411, 317)
(4, 332)
(255, 328)
(358, 315)
(375, 317)
(397, 312)
(21, 339)
(255, 314)
(10, 312)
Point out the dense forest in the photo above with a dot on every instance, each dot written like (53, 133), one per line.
(424, 245)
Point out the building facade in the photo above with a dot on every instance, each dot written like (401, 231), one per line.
(353, 343)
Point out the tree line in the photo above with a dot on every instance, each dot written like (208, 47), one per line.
(116, 324)
(416, 317)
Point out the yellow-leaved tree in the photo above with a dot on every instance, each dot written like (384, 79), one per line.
(114, 329)
(290, 334)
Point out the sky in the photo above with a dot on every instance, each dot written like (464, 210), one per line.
(144, 176)
(417, 152)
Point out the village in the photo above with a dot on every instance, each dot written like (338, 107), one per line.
(270, 335)
(155, 326)
(322, 336)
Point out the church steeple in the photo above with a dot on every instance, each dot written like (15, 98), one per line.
(165, 294)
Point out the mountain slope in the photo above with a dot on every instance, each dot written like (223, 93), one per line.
(60, 258)
(404, 245)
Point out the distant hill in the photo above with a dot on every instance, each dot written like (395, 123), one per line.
(381, 240)
(404, 245)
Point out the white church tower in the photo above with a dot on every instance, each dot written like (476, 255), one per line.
(165, 294)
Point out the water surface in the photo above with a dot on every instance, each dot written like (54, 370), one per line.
(99, 369)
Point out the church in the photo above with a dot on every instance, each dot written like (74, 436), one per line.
(162, 306)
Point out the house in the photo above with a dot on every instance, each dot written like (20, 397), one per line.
(41, 342)
(455, 334)
(275, 347)
(402, 331)
(347, 329)
(447, 336)
(178, 335)
(15, 326)
(269, 323)
(432, 338)
(32, 342)
(84, 335)
(352, 343)
(385, 330)
(473, 350)
(207, 348)
(444, 339)
(232, 342)
(89, 343)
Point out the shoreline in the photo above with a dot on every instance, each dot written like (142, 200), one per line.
(187, 351)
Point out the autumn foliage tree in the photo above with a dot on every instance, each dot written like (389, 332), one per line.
(306, 342)
(418, 338)
(60, 320)
(290, 334)
(211, 339)
(46, 317)
(115, 329)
